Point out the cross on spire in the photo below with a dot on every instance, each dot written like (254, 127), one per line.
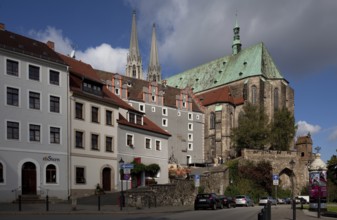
(317, 149)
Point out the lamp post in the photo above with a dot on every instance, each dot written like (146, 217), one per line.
(292, 165)
(121, 200)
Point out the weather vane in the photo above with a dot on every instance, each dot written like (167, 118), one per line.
(317, 149)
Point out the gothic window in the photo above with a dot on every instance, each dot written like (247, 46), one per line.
(154, 78)
(212, 121)
(134, 71)
(254, 95)
(276, 99)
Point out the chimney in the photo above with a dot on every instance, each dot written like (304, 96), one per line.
(51, 45)
(2, 26)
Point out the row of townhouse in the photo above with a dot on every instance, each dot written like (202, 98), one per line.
(64, 131)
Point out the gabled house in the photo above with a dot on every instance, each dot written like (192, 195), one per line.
(177, 111)
(100, 124)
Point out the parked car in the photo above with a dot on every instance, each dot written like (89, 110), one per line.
(206, 201)
(267, 199)
(227, 201)
(281, 201)
(243, 200)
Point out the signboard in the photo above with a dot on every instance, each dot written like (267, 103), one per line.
(276, 179)
(126, 176)
(127, 171)
(197, 180)
(127, 166)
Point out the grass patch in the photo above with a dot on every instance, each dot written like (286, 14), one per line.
(332, 208)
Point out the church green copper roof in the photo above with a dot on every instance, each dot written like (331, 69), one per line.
(252, 61)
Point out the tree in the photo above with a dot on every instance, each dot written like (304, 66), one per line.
(252, 130)
(152, 170)
(282, 130)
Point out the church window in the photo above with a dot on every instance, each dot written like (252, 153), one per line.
(133, 71)
(254, 95)
(154, 78)
(212, 120)
(276, 99)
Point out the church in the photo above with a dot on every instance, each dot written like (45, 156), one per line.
(221, 88)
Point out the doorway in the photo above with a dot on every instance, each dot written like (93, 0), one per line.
(106, 176)
(28, 178)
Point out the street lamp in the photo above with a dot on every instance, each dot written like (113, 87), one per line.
(121, 200)
(292, 165)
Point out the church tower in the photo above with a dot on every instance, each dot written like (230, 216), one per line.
(236, 46)
(154, 69)
(134, 67)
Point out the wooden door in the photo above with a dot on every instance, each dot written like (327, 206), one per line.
(106, 176)
(28, 178)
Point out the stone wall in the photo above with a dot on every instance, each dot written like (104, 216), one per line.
(179, 192)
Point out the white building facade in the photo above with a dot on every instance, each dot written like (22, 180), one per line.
(33, 140)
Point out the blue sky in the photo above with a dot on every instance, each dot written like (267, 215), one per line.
(300, 35)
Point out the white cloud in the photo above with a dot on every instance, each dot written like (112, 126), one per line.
(304, 128)
(333, 135)
(102, 57)
(62, 44)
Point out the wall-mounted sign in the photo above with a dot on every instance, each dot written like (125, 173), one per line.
(50, 158)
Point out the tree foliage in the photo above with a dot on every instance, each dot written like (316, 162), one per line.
(254, 179)
(252, 130)
(282, 130)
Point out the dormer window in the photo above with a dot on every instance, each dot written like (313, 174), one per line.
(135, 118)
(92, 88)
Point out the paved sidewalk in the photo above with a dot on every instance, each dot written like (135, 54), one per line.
(284, 212)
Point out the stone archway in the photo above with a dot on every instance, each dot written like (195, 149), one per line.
(285, 178)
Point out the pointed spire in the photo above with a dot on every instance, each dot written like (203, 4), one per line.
(154, 69)
(134, 61)
(236, 46)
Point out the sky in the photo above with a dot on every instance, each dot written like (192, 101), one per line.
(300, 35)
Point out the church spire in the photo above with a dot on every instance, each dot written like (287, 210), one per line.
(236, 46)
(134, 66)
(154, 69)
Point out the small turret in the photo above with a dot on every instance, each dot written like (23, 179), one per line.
(236, 46)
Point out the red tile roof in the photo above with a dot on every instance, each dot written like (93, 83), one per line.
(24, 45)
(80, 68)
(79, 71)
(221, 95)
(135, 91)
(147, 125)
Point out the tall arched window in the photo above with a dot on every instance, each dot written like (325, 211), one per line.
(276, 99)
(134, 71)
(254, 95)
(51, 174)
(1, 173)
(212, 120)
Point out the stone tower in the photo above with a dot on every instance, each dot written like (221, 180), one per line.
(304, 148)
(154, 69)
(134, 67)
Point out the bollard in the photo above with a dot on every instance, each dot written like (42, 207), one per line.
(268, 211)
(47, 203)
(74, 204)
(19, 203)
(99, 202)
